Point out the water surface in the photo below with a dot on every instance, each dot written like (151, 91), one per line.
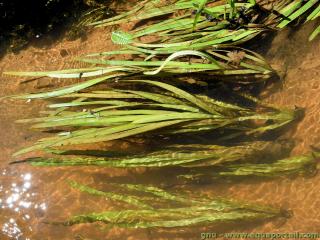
(30, 196)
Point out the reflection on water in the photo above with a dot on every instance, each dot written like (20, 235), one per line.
(18, 199)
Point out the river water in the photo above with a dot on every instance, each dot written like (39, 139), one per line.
(29, 195)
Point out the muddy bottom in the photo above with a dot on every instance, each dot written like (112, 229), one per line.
(30, 196)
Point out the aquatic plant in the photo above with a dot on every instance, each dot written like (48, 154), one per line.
(222, 63)
(178, 47)
(138, 101)
(187, 155)
(296, 9)
(206, 24)
(120, 113)
(151, 207)
(290, 166)
(203, 162)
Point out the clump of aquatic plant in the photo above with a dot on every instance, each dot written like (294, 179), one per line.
(208, 27)
(290, 166)
(296, 9)
(151, 207)
(189, 156)
(223, 62)
(105, 115)
(244, 63)
(205, 24)
(258, 159)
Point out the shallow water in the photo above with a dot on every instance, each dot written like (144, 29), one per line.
(29, 196)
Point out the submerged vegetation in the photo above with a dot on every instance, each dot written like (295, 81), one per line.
(145, 90)
(121, 113)
(305, 165)
(152, 207)
(187, 155)
(200, 25)
(212, 64)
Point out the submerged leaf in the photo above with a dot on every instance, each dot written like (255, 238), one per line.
(116, 197)
(197, 212)
(121, 38)
(190, 156)
(167, 108)
(200, 8)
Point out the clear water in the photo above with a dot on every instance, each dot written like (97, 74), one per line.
(29, 196)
